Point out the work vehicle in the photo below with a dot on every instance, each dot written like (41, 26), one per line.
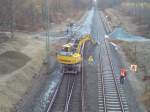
(71, 55)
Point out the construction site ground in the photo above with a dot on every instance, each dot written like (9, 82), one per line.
(22, 72)
(18, 67)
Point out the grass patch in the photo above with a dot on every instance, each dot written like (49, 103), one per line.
(146, 100)
(138, 52)
(143, 62)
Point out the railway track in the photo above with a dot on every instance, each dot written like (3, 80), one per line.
(111, 94)
(68, 95)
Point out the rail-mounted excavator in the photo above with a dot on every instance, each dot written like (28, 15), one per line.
(71, 55)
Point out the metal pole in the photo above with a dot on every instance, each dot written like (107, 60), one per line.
(47, 28)
(12, 18)
(135, 54)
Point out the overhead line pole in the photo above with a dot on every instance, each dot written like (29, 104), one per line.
(47, 32)
(12, 26)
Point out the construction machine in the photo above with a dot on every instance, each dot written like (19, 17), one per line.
(71, 55)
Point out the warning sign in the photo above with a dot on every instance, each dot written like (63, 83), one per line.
(90, 60)
(133, 67)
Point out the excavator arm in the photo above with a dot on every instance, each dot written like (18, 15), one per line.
(82, 42)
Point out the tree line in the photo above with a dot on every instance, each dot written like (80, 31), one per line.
(28, 14)
(140, 9)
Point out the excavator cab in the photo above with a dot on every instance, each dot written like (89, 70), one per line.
(67, 50)
(69, 59)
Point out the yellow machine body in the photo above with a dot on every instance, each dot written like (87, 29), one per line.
(72, 59)
(71, 54)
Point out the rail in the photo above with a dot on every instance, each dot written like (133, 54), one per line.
(69, 93)
(111, 95)
(54, 96)
(113, 74)
(82, 84)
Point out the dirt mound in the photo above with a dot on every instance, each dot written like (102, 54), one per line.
(3, 37)
(11, 61)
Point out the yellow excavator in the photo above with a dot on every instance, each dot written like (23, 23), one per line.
(71, 55)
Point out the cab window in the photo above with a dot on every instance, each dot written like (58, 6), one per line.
(65, 49)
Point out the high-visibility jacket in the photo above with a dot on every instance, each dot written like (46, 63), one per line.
(123, 72)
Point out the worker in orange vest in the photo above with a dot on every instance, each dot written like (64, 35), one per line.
(123, 74)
